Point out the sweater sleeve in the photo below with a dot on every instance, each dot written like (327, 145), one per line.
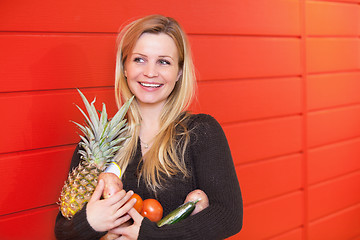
(78, 227)
(214, 173)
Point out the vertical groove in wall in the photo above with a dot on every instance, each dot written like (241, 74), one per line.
(304, 119)
(358, 36)
(358, 236)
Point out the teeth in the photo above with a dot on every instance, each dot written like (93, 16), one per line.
(151, 85)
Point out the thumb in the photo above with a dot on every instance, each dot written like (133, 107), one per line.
(98, 191)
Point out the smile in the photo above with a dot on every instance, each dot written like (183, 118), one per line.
(151, 85)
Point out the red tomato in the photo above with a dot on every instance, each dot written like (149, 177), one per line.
(139, 202)
(152, 209)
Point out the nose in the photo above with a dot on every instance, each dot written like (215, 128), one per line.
(151, 70)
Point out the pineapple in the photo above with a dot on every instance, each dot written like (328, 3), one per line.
(102, 139)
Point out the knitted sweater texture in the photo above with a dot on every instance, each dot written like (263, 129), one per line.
(209, 162)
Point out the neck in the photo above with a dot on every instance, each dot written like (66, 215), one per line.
(150, 122)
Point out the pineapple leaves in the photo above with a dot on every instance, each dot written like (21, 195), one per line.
(91, 111)
(94, 116)
(102, 137)
(115, 130)
(84, 140)
(103, 120)
(117, 141)
(121, 113)
(86, 117)
(81, 127)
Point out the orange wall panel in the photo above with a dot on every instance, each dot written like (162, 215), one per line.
(272, 217)
(232, 57)
(344, 1)
(292, 235)
(28, 114)
(41, 62)
(246, 16)
(333, 160)
(241, 100)
(264, 139)
(42, 174)
(346, 191)
(332, 54)
(270, 178)
(342, 225)
(333, 125)
(329, 90)
(31, 225)
(278, 17)
(332, 18)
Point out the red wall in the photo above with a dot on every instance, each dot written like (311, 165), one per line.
(282, 77)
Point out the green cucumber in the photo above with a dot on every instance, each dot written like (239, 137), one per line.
(180, 213)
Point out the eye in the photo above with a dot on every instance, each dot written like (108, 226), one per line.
(138, 60)
(164, 62)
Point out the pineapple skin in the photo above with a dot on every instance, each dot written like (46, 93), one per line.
(78, 188)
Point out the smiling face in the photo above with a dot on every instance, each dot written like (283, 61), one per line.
(152, 68)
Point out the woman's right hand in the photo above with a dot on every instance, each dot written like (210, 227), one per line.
(106, 214)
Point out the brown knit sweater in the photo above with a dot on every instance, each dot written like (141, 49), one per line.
(210, 164)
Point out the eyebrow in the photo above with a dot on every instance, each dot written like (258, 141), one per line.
(161, 56)
(166, 56)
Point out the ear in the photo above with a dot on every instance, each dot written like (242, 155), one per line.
(125, 73)
(179, 75)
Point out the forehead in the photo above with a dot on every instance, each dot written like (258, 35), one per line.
(159, 44)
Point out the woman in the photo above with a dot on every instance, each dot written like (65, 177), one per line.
(171, 152)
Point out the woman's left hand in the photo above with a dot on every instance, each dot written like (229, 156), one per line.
(129, 232)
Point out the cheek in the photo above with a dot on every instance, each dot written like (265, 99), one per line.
(129, 70)
(131, 73)
(130, 84)
(171, 86)
(172, 76)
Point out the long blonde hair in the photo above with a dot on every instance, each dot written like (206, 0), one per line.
(166, 158)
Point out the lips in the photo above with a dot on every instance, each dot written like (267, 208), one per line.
(151, 85)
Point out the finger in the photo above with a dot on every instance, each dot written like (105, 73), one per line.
(114, 199)
(124, 199)
(98, 191)
(121, 227)
(135, 215)
(122, 220)
(125, 208)
(119, 230)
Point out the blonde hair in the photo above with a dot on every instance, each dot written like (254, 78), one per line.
(165, 159)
